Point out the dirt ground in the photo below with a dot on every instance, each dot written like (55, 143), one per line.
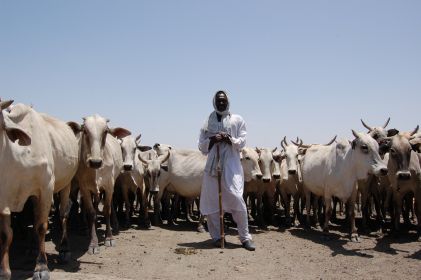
(294, 253)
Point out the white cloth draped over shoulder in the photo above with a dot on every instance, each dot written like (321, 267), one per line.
(232, 174)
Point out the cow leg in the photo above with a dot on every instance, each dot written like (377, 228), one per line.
(308, 203)
(316, 211)
(286, 200)
(260, 218)
(297, 215)
(189, 209)
(91, 215)
(127, 204)
(6, 236)
(365, 205)
(65, 205)
(42, 210)
(397, 201)
(109, 240)
(351, 215)
(379, 211)
(328, 214)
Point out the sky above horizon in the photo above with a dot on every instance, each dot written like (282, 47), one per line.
(303, 68)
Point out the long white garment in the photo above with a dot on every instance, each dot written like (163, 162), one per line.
(232, 176)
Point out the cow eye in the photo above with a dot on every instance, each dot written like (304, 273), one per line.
(247, 158)
(364, 149)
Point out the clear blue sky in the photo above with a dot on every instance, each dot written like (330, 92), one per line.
(307, 68)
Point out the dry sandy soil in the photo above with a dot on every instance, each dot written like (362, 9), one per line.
(293, 253)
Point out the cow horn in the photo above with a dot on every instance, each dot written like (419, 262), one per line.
(415, 130)
(387, 122)
(331, 141)
(258, 151)
(282, 143)
(138, 137)
(165, 158)
(5, 104)
(142, 159)
(274, 150)
(355, 133)
(296, 142)
(366, 126)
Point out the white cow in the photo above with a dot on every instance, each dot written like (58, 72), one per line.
(131, 179)
(100, 164)
(291, 178)
(39, 156)
(264, 186)
(404, 173)
(334, 170)
(186, 169)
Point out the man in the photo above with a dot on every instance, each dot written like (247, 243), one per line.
(229, 132)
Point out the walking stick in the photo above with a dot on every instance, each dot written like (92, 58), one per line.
(221, 212)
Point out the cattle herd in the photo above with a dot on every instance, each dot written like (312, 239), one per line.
(88, 169)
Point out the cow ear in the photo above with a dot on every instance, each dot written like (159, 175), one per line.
(416, 144)
(354, 144)
(75, 127)
(119, 132)
(15, 132)
(144, 148)
(384, 146)
(302, 151)
(164, 167)
(392, 132)
(278, 158)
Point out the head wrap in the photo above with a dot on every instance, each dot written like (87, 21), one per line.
(212, 125)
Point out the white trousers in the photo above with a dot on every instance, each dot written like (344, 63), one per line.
(240, 218)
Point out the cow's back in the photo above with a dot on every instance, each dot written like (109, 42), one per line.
(65, 150)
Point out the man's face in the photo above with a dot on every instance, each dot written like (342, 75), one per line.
(221, 102)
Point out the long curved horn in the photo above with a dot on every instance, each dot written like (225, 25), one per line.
(165, 158)
(274, 150)
(142, 159)
(282, 143)
(5, 104)
(415, 130)
(138, 138)
(296, 142)
(387, 122)
(366, 126)
(355, 134)
(331, 141)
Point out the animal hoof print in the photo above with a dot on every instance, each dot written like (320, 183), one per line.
(64, 257)
(110, 243)
(41, 275)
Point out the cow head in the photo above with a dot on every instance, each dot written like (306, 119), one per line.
(13, 131)
(129, 146)
(291, 154)
(267, 164)
(380, 132)
(366, 152)
(94, 136)
(153, 169)
(400, 147)
(250, 162)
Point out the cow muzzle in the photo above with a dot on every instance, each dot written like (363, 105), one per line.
(95, 163)
(292, 171)
(276, 176)
(259, 176)
(403, 175)
(128, 167)
(266, 180)
(383, 171)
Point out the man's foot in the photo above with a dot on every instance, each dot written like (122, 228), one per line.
(249, 245)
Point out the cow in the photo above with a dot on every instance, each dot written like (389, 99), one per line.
(334, 170)
(404, 173)
(375, 186)
(100, 164)
(266, 186)
(186, 169)
(155, 175)
(291, 180)
(39, 156)
(131, 179)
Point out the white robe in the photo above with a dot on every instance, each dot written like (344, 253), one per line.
(232, 176)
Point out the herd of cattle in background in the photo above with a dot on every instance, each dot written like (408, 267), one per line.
(90, 164)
